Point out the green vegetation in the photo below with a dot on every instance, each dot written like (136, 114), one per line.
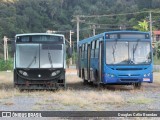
(140, 100)
(156, 60)
(142, 26)
(156, 53)
(26, 16)
(23, 16)
(6, 65)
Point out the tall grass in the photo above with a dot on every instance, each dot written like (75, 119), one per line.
(6, 65)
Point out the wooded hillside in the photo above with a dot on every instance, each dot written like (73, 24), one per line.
(23, 16)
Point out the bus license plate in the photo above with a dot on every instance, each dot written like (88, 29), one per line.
(146, 79)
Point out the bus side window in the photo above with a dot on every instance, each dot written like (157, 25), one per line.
(82, 51)
(86, 50)
(93, 48)
(97, 45)
(97, 49)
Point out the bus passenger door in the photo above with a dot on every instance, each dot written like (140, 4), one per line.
(100, 62)
(88, 61)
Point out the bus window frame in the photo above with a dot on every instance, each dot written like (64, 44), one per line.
(93, 49)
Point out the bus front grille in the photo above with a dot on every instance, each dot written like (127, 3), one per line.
(129, 75)
(126, 69)
(129, 80)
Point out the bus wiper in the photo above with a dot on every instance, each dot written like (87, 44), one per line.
(114, 49)
(135, 48)
(50, 58)
(34, 59)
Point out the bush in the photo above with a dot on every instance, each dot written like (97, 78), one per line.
(6, 65)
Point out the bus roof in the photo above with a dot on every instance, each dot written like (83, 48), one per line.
(27, 34)
(110, 32)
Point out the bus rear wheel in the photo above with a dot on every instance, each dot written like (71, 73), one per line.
(137, 85)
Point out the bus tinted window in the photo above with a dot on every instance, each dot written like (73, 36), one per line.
(86, 47)
(140, 36)
(93, 44)
(40, 38)
(97, 44)
(23, 39)
(83, 47)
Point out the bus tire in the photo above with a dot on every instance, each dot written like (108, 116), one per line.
(85, 82)
(137, 85)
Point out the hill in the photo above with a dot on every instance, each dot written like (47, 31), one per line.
(24, 16)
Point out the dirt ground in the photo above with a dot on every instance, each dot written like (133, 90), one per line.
(79, 97)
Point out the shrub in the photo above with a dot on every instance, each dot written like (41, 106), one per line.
(6, 65)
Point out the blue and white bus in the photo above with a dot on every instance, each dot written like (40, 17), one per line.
(39, 61)
(118, 57)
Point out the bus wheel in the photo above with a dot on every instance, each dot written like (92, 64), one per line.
(137, 85)
(100, 86)
(85, 82)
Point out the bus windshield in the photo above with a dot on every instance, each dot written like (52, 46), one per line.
(124, 52)
(39, 55)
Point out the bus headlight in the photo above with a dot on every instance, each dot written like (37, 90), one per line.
(55, 73)
(147, 75)
(24, 73)
(110, 75)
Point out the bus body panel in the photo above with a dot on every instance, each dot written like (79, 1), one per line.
(126, 74)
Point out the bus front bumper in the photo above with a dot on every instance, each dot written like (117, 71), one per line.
(126, 80)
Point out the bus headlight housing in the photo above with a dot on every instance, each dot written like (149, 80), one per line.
(110, 75)
(24, 73)
(55, 73)
(147, 75)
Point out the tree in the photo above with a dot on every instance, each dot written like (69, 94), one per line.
(142, 26)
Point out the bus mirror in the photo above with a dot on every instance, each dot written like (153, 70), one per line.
(69, 51)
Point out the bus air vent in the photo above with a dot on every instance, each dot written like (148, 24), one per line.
(129, 75)
(129, 80)
(125, 69)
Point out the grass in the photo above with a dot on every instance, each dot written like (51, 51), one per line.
(140, 100)
(36, 107)
(6, 85)
(8, 103)
(85, 99)
(76, 96)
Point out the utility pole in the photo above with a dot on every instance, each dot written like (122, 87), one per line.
(94, 27)
(70, 43)
(150, 21)
(70, 38)
(94, 30)
(74, 53)
(77, 21)
(5, 48)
